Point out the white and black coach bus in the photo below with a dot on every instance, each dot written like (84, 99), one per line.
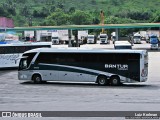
(84, 65)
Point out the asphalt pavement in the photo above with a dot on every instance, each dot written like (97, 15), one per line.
(16, 95)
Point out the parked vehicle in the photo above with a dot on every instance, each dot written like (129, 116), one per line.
(82, 36)
(91, 39)
(136, 38)
(103, 38)
(55, 38)
(154, 42)
(10, 52)
(113, 37)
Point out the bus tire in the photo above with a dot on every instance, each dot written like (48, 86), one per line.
(37, 78)
(102, 80)
(115, 81)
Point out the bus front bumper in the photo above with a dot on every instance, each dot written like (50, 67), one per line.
(24, 76)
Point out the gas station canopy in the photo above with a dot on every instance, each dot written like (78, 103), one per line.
(86, 27)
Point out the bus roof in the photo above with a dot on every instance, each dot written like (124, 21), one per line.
(83, 50)
(119, 43)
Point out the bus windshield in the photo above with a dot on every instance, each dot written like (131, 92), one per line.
(136, 37)
(90, 37)
(103, 36)
(23, 64)
(153, 37)
(54, 37)
(26, 60)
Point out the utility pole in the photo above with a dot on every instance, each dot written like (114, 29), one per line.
(70, 38)
(30, 21)
(102, 19)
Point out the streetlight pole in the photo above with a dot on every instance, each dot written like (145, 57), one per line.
(30, 21)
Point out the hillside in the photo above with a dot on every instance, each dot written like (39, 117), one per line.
(60, 12)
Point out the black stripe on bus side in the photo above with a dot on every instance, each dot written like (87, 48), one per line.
(64, 68)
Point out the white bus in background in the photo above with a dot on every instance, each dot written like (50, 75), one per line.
(111, 67)
(9, 53)
(103, 38)
(136, 38)
(91, 39)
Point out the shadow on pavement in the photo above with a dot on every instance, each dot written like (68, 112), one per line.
(5, 71)
(94, 85)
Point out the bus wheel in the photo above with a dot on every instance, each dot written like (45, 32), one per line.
(102, 80)
(37, 78)
(115, 81)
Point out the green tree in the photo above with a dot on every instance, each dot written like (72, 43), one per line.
(58, 18)
(3, 12)
(25, 11)
(116, 20)
(156, 17)
(81, 17)
(12, 11)
(96, 21)
(52, 9)
(72, 10)
(93, 2)
(35, 13)
(60, 5)
(20, 21)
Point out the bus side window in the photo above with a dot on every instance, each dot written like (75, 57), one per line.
(3, 50)
(48, 58)
(61, 58)
(106, 58)
(16, 48)
(73, 58)
(89, 58)
(9, 50)
(134, 56)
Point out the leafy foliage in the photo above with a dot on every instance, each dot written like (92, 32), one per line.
(65, 12)
(58, 18)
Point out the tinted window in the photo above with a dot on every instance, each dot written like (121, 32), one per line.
(103, 36)
(18, 49)
(104, 58)
(123, 47)
(43, 58)
(64, 58)
(53, 58)
(2, 50)
(153, 37)
(136, 37)
(122, 57)
(7, 50)
(68, 58)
